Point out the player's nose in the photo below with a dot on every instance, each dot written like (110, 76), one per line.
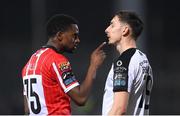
(106, 30)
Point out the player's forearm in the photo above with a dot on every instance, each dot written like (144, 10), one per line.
(26, 109)
(87, 83)
(97, 57)
(120, 102)
(117, 111)
(80, 93)
(117, 108)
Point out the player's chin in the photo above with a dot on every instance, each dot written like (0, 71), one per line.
(73, 49)
(69, 50)
(110, 42)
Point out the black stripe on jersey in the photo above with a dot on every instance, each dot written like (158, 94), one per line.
(120, 77)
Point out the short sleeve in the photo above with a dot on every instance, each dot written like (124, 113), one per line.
(64, 73)
(122, 81)
(120, 77)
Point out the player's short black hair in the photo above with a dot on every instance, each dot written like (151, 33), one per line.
(59, 23)
(132, 19)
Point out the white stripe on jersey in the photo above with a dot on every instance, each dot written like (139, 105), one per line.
(59, 76)
(38, 55)
(28, 66)
(70, 87)
(61, 81)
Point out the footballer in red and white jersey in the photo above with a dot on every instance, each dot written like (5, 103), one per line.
(47, 77)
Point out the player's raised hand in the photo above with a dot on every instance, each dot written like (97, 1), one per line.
(98, 55)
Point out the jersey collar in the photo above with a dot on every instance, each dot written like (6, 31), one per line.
(52, 47)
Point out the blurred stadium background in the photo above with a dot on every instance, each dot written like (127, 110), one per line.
(22, 32)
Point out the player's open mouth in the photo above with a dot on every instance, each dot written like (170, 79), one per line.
(75, 46)
(108, 36)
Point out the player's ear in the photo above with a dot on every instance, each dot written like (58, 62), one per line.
(59, 36)
(126, 30)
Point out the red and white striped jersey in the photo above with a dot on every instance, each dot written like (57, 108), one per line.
(47, 77)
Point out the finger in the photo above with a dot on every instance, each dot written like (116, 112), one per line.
(100, 46)
(103, 56)
(102, 53)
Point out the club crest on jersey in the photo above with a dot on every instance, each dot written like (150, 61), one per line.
(64, 66)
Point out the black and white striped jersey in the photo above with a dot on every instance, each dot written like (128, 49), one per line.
(130, 72)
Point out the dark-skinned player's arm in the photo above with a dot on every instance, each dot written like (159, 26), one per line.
(80, 93)
(26, 109)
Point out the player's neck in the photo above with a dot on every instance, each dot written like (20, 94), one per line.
(51, 43)
(125, 44)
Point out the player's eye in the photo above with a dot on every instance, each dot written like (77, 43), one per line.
(111, 25)
(76, 35)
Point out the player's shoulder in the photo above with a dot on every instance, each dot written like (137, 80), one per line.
(127, 54)
(139, 52)
(60, 56)
(139, 55)
(55, 54)
(138, 58)
(51, 56)
(125, 57)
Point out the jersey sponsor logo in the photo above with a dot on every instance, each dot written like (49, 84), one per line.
(119, 69)
(120, 76)
(68, 77)
(67, 74)
(120, 79)
(69, 80)
(119, 63)
(119, 82)
(64, 66)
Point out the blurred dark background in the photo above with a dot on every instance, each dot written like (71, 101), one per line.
(22, 32)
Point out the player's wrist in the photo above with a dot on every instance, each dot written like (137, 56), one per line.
(93, 66)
